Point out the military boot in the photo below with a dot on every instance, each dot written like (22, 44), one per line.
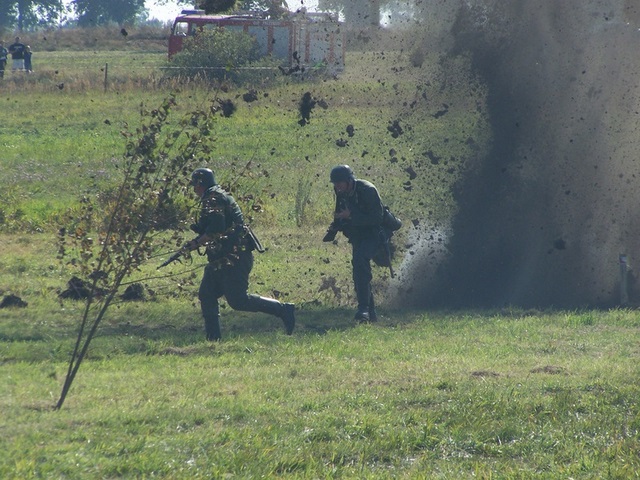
(362, 315)
(373, 316)
(286, 311)
(212, 327)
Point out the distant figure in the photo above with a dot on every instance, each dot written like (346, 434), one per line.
(3, 58)
(16, 49)
(27, 59)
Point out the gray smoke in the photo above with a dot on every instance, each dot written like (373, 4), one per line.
(545, 215)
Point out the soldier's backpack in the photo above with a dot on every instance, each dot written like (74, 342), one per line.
(389, 221)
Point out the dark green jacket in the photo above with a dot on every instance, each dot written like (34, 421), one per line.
(220, 216)
(366, 210)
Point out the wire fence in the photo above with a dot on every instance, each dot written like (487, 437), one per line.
(87, 70)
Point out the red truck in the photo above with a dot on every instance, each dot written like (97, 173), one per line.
(300, 39)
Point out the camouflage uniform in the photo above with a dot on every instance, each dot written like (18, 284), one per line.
(230, 262)
(363, 230)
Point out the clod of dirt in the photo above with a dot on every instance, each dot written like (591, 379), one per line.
(227, 107)
(395, 129)
(440, 113)
(305, 107)
(250, 96)
(78, 289)
(435, 160)
(329, 283)
(350, 130)
(12, 301)
(135, 291)
(412, 173)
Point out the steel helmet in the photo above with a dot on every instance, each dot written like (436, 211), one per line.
(341, 173)
(203, 177)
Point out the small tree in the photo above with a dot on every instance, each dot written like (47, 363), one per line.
(216, 54)
(108, 241)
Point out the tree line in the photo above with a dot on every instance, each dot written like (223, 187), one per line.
(32, 14)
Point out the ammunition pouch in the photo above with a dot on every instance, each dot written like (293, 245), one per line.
(238, 239)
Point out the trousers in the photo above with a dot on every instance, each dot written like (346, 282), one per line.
(232, 283)
(363, 250)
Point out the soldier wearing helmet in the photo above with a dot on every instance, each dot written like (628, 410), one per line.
(229, 244)
(358, 215)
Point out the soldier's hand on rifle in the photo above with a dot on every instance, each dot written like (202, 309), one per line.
(184, 251)
(191, 245)
(343, 214)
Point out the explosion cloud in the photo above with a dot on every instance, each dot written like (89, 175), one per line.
(545, 214)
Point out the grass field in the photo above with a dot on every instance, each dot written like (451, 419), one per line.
(421, 394)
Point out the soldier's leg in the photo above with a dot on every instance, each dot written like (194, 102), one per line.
(363, 251)
(236, 285)
(208, 294)
(373, 315)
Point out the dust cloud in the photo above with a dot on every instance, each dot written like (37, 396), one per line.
(544, 216)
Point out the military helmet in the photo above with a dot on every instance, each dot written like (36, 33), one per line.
(203, 177)
(341, 173)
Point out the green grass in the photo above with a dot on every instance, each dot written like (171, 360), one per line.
(80, 134)
(421, 395)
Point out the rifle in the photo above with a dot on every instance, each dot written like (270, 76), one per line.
(337, 225)
(212, 244)
(387, 249)
(183, 251)
(173, 258)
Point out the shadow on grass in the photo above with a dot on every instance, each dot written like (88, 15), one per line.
(139, 332)
(157, 332)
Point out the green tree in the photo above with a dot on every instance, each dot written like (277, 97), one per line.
(274, 8)
(216, 54)
(216, 6)
(357, 13)
(100, 12)
(29, 14)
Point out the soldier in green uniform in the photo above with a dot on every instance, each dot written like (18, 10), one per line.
(358, 215)
(229, 247)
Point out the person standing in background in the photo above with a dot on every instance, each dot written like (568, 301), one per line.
(27, 59)
(16, 49)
